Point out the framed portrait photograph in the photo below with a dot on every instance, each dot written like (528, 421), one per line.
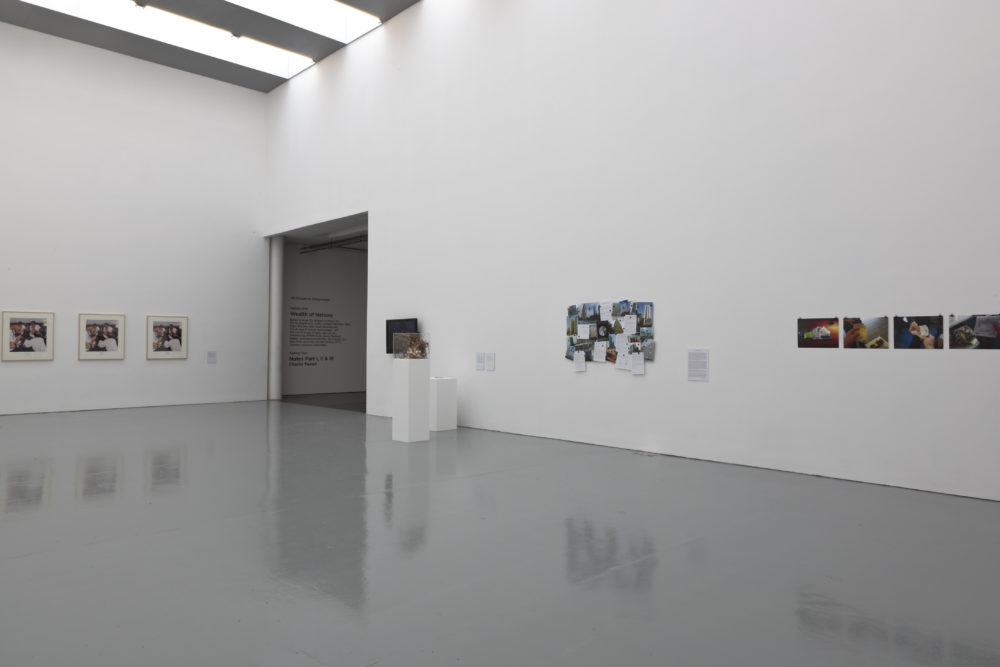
(166, 337)
(29, 336)
(102, 337)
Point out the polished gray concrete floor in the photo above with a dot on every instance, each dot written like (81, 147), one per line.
(283, 534)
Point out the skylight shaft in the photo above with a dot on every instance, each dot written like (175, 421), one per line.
(324, 17)
(182, 32)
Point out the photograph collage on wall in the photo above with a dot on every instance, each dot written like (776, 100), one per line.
(29, 336)
(617, 332)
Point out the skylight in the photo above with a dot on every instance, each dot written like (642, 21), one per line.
(183, 32)
(324, 17)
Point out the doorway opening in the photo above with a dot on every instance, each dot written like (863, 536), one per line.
(324, 313)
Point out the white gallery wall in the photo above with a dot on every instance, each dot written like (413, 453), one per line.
(127, 187)
(325, 327)
(739, 164)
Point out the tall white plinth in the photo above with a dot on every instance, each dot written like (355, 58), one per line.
(444, 404)
(411, 380)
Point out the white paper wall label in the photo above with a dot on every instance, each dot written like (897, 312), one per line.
(491, 361)
(583, 332)
(579, 361)
(601, 351)
(480, 361)
(638, 363)
(698, 364)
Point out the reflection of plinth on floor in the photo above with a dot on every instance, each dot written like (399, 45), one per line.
(411, 380)
(444, 404)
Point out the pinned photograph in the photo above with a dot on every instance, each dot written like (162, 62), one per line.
(102, 337)
(573, 310)
(590, 312)
(819, 332)
(603, 330)
(919, 332)
(974, 332)
(29, 336)
(166, 337)
(644, 311)
(572, 325)
(870, 333)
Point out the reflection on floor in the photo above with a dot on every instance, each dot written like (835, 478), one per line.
(284, 534)
(354, 401)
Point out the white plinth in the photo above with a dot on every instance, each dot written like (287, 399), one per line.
(410, 400)
(444, 404)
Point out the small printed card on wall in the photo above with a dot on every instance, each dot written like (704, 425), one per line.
(102, 337)
(29, 336)
(166, 337)
(819, 332)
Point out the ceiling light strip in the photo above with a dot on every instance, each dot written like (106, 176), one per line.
(182, 32)
(324, 17)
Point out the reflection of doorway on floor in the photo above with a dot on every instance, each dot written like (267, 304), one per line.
(353, 400)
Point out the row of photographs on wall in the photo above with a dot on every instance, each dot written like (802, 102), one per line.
(617, 332)
(27, 485)
(30, 336)
(912, 332)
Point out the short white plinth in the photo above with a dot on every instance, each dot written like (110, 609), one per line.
(444, 404)
(410, 400)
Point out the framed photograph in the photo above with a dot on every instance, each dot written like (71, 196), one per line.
(166, 337)
(102, 337)
(29, 336)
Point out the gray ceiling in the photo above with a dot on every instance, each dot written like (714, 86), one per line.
(334, 232)
(235, 19)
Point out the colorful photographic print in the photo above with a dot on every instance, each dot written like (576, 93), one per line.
(644, 311)
(102, 337)
(919, 332)
(572, 325)
(590, 312)
(866, 333)
(29, 336)
(974, 332)
(819, 332)
(166, 337)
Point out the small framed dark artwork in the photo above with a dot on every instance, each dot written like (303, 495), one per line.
(407, 325)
